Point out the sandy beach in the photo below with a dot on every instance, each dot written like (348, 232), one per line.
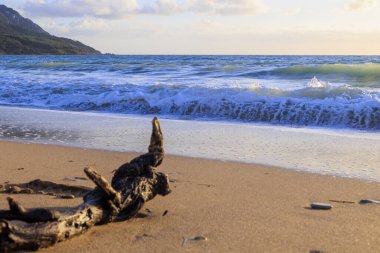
(238, 207)
(262, 115)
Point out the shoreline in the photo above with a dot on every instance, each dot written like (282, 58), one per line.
(174, 156)
(333, 152)
(238, 207)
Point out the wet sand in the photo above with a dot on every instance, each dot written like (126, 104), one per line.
(341, 152)
(238, 207)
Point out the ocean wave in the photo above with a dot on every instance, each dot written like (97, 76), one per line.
(324, 105)
(51, 64)
(355, 71)
(270, 89)
(360, 74)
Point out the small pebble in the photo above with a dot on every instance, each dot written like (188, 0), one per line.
(165, 213)
(199, 238)
(196, 238)
(369, 201)
(320, 206)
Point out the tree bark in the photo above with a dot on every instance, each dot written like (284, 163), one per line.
(132, 185)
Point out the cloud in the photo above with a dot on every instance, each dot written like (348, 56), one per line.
(86, 26)
(227, 7)
(291, 11)
(117, 9)
(161, 7)
(78, 8)
(358, 5)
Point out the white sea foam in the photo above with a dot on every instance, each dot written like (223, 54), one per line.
(317, 106)
(315, 83)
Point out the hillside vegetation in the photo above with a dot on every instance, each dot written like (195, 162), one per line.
(19, 35)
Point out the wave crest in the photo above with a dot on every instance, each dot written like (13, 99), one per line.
(360, 73)
(309, 106)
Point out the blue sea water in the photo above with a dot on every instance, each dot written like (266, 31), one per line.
(323, 91)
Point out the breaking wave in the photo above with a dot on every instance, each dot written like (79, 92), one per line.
(269, 89)
(317, 104)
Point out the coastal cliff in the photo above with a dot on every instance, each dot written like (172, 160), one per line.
(19, 35)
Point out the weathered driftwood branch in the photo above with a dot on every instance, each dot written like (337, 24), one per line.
(132, 185)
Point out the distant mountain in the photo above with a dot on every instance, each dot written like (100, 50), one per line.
(19, 35)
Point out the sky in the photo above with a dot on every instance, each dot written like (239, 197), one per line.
(253, 27)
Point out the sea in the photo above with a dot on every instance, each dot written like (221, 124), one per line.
(324, 91)
(310, 113)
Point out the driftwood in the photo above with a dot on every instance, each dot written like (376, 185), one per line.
(132, 185)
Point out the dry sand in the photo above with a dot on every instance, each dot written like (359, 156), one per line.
(238, 207)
